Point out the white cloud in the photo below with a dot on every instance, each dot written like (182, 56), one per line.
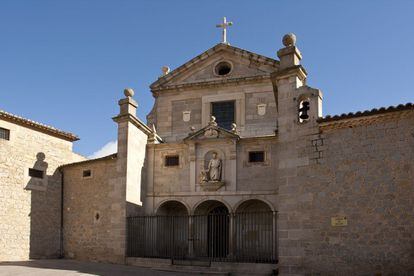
(107, 149)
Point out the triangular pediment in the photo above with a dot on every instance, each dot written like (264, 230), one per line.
(203, 68)
(212, 131)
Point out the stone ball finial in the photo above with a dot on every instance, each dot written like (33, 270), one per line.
(289, 39)
(165, 70)
(128, 92)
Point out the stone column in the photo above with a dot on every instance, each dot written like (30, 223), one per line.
(232, 235)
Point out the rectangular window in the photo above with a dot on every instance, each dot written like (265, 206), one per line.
(172, 160)
(87, 173)
(224, 113)
(256, 156)
(4, 134)
(36, 173)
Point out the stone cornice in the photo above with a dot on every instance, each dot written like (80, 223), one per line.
(38, 126)
(138, 123)
(215, 193)
(297, 70)
(211, 83)
(255, 138)
(171, 145)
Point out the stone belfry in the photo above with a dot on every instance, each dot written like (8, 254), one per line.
(298, 105)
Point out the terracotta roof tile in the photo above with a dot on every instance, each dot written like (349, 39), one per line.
(371, 112)
(38, 126)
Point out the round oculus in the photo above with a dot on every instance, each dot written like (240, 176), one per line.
(223, 68)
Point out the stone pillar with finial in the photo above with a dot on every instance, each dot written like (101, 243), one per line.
(291, 73)
(133, 136)
(290, 89)
(290, 55)
(128, 105)
(294, 139)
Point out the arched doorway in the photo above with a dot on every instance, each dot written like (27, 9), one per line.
(172, 208)
(172, 229)
(253, 206)
(211, 225)
(255, 237)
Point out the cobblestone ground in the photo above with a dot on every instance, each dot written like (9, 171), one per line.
(70, 267)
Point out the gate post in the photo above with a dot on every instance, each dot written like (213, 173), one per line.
(232, 235)
(190, 237)
(274, 242)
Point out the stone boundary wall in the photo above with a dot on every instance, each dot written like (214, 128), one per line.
(30, 208)
(350, 211)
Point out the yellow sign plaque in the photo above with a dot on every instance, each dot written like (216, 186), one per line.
(339, 221)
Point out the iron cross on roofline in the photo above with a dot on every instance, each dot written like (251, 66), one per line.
(224, 26)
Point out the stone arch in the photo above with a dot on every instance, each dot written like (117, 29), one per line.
(211, 222)
(170, 224)
(256, 218)
(303, 105)
(207, 205)
(171, 207)
(253, 205)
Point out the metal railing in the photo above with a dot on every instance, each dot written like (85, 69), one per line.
(239, 237)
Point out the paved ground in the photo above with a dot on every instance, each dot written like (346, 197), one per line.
(70, 267)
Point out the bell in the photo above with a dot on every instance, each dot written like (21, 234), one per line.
(303, 111)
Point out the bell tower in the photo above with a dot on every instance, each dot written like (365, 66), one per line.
(298, 105)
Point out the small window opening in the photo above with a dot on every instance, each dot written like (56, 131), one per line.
(256, 156)
(223, 68)
(87, 173)
(97, 216)
(36, 173)
(172, 160)
(4, 133)
(303, 111)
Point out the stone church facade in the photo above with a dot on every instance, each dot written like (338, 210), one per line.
(235, 165)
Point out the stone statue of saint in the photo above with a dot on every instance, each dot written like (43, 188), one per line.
(214, 168)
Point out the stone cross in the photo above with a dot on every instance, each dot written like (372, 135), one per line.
(224, 26)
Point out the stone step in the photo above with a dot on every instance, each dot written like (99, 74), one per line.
(192, 270)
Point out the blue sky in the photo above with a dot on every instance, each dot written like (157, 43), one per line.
(66, 63)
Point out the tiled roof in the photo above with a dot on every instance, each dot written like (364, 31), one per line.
(38, 126)
(375, 111)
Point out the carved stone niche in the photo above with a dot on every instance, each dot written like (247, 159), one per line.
(211, 172)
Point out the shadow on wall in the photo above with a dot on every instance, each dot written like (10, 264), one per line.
(133, 209)
(45, 218)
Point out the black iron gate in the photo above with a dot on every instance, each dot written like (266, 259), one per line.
(240, 237)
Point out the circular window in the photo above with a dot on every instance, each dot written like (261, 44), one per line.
(223, 68)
